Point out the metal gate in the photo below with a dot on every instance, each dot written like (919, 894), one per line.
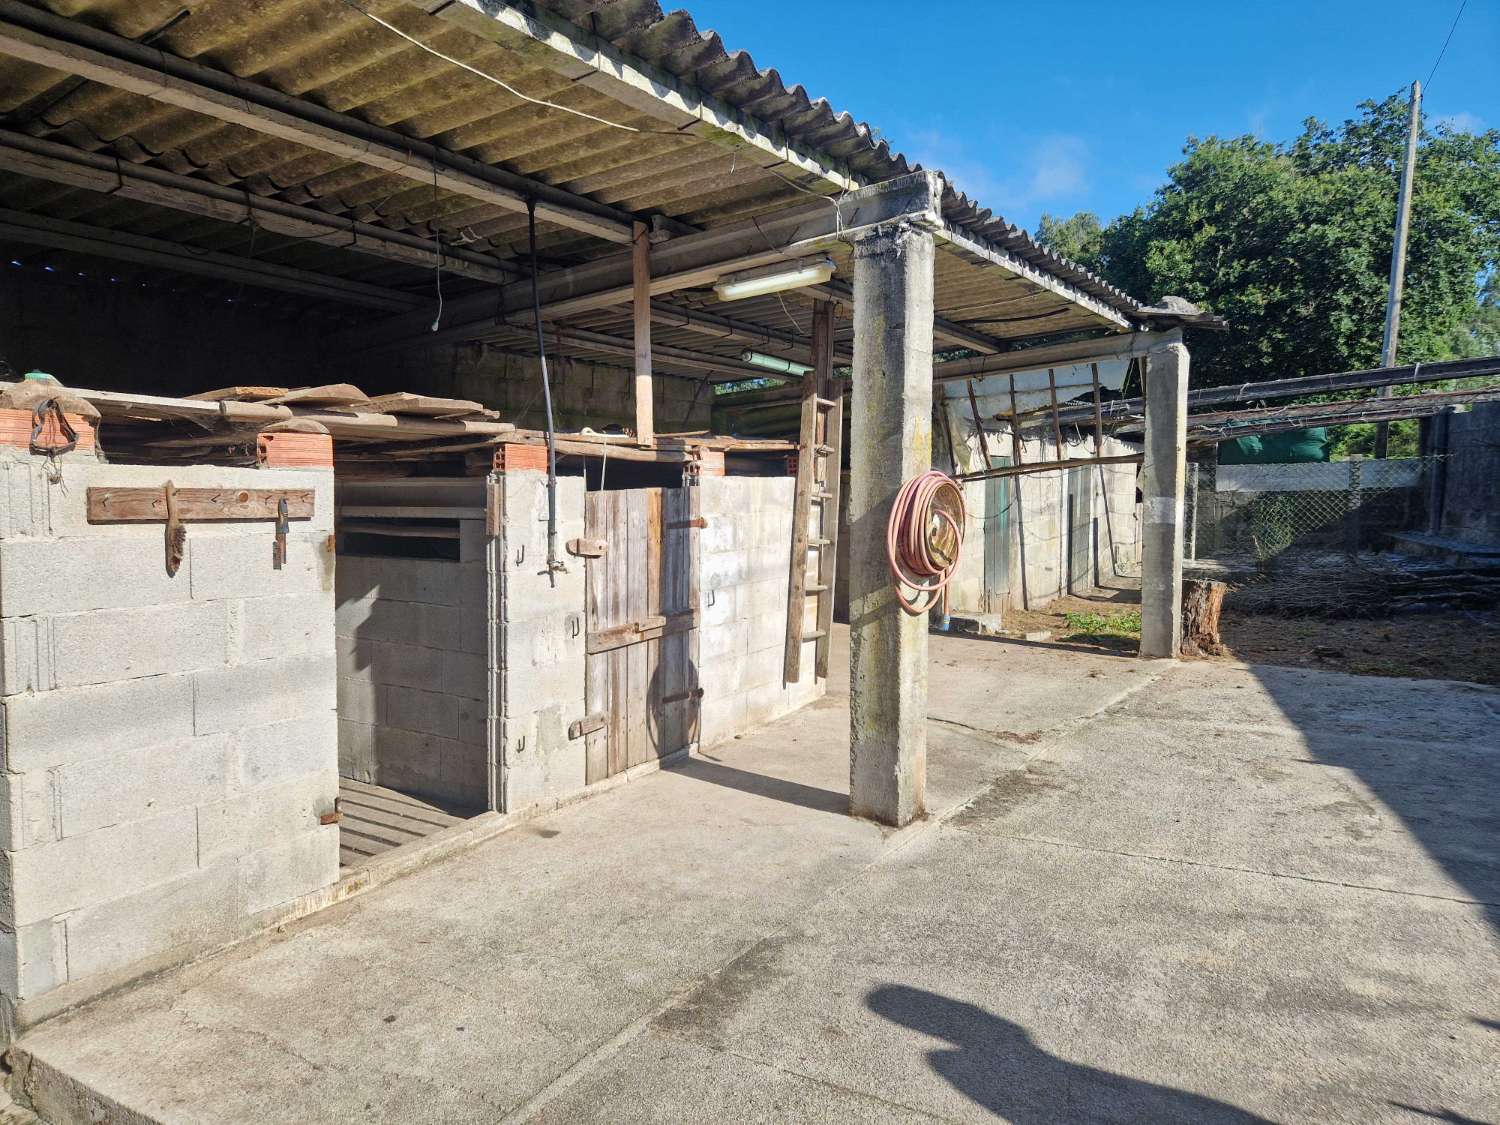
(1080, 543)
(997, 499)
(642, 622)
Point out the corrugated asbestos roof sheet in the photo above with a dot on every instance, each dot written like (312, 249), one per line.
(673, 42)
(329, 54)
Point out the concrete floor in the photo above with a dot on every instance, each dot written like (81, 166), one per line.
(1197, 893)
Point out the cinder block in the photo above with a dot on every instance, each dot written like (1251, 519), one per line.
(26, 655)
(23, 497)
(426, 711)
(431, 581)
(33, 959)
(200, 907)
(98, 866)
(417, 623)
(279, 752)
(466, 774)
(537, 686)
(474, 633)
(73, 575)
(72, 724)
(466, 675)
(361, 700)
(104, 791)
(721, 716)
(267, 691)
(717, 606)
(405, 665)
(270, 627)
(473, 587)
(722, 639)
(473, 541)
(415, 763)
(123, 644)
(473, 722)
(357, 758)
(526, 595)
(261, 818)
(238, 564)
(721, 570)
(295, 867)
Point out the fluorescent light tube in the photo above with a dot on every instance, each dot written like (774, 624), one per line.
(774, 278)
(775, 363)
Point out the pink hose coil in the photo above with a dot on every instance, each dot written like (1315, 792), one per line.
(923, 538)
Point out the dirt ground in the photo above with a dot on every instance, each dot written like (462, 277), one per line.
(1433, 646)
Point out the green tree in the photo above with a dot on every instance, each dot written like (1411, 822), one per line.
(1078, 238)
(1292, 243)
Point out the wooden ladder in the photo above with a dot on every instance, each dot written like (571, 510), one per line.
(815, 519)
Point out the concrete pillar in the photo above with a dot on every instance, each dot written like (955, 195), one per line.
(890, 442)
(1162, 492)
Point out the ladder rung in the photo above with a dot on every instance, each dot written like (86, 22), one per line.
(822, 496)
(824, 449)
(819, 542)
(815, 590)
(816, 635)
(827, 402)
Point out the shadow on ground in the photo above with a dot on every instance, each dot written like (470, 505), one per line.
(1427, 749)
(995, 1063)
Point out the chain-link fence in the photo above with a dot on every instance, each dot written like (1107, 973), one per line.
(1253, 513)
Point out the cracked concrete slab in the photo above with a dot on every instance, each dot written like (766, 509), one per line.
(1197, 894)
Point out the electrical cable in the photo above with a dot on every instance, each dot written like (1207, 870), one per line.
(1464, 4)
(923, 538)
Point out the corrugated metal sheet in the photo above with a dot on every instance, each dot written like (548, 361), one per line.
(330, 54)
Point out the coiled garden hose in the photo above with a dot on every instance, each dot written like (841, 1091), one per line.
(923, 539)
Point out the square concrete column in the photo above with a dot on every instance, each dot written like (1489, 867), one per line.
(1162, 495)
(890, 442)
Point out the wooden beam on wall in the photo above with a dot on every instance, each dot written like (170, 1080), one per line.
(640, 251)
(62, 164)
(40, 38)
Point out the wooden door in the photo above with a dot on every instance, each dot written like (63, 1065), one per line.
(642, 623)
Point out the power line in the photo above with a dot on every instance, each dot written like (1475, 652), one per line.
(1462, 5)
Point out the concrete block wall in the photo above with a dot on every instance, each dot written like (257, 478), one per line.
(1470, 510)
(1113, 522)
(745, 552)
(543, 642)
(414, 672)
(169, 742)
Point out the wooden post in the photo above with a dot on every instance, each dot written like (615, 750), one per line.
(645, 424)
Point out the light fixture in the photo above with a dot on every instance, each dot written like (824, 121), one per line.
(775, 363)
(774, 278)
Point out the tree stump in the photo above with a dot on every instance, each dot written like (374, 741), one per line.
(1202, 602)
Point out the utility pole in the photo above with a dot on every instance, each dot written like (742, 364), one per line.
(1398, 255)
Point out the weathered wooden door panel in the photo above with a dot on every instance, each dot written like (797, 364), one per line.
(641, 669)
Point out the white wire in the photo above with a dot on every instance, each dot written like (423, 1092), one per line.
(490, 77)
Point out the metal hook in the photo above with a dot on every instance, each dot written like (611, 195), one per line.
(521, 554)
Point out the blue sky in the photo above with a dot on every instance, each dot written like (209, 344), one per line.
(1064, 107)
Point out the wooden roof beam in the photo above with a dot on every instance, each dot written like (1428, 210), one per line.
(61, 234)
(685, 262)
(62, 164)
(35, 36)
